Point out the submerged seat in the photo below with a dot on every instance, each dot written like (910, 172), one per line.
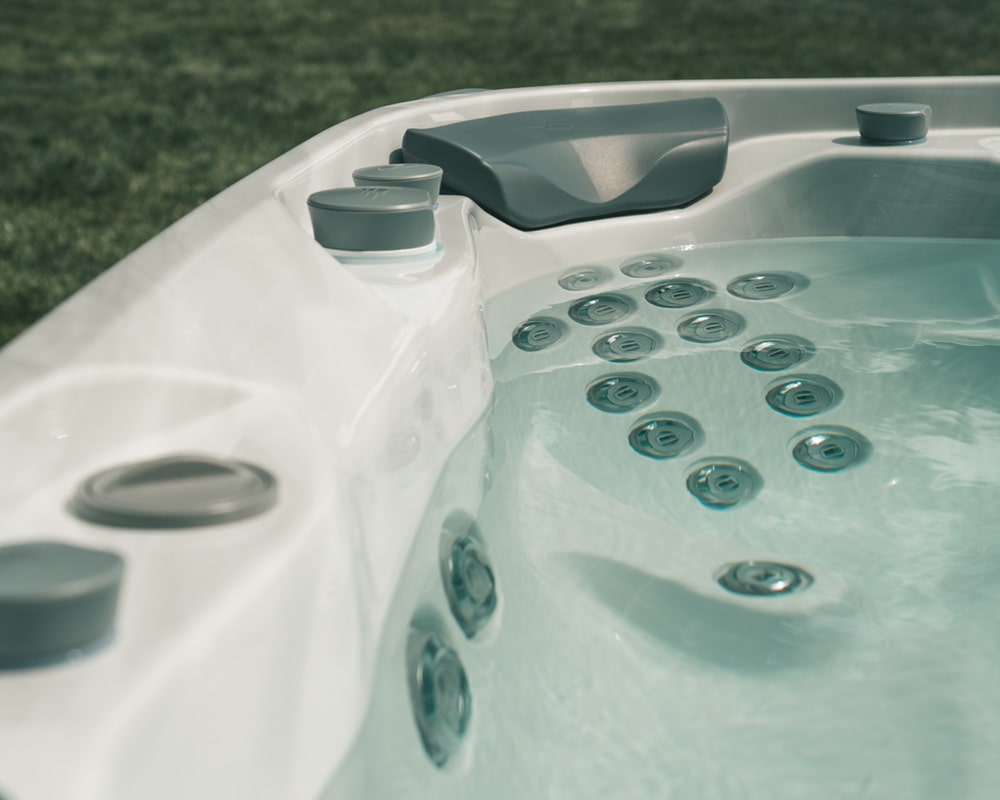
(536, 169)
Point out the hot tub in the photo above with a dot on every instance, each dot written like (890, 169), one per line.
(691, 502)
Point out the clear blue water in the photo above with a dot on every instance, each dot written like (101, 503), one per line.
(615, 664)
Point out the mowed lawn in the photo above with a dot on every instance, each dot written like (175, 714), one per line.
(119, 116)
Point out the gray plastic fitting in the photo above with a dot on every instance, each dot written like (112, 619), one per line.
(177, 491)
(407, 176)
(893, 123)
(55, 599)
(371, 218)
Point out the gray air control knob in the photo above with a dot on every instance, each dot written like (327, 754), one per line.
(894, 123)
(372, 218)
(186, 490)
(406, 176)
(55, 600)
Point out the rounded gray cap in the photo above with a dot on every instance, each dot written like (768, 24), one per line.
(54, 599)
(408, 176)
(178, 491)
(893, 122)
(372, 218)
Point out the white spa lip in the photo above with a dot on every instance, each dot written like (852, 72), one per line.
(243, 654)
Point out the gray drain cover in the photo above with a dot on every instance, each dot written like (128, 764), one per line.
(804, 395)
(178, 491)
(664, 436)
(831, 449)
(583, 280)
(537, 334)
(618, 394)
(764, 578)
(678, 293)
(54, 598)
(625, 346)
(724, 484)
(775, 353)
(650, 266)
(600, 309)
(440, 695)
(712, 326)
(765, 286)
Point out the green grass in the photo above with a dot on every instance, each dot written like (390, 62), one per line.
(116, 118)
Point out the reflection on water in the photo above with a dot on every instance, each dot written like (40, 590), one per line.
(961, 446)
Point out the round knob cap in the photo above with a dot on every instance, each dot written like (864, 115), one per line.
(177, 491)
(406, 176)
(54, 599)
(893, 123)
(372, 218)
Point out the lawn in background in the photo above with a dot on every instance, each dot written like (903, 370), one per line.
(116, 118)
